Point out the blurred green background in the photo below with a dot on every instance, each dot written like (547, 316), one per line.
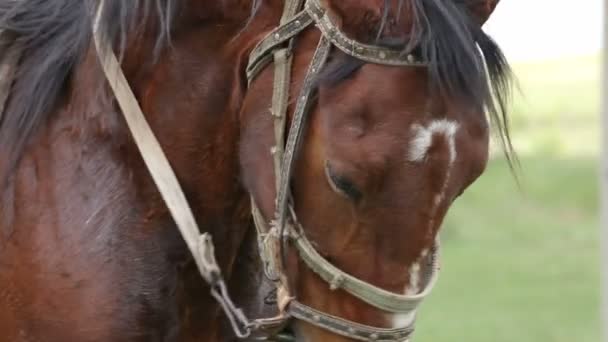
(521, 264)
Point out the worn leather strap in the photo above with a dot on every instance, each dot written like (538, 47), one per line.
(200, 245)
(373, 295)
(151, 152)
(368, 53)
(283, 60)
(269, 240)
(261, 55)
(348, 328)
(296, 130)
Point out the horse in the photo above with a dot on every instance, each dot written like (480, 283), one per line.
(382, 139)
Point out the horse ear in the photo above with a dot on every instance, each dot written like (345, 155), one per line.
(481, 9)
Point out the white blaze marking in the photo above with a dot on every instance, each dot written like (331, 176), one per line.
(423, 139)
(403, 320)
(412, 288)
(419, 149)
(422, 142)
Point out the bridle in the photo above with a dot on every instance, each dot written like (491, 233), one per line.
(276, 48)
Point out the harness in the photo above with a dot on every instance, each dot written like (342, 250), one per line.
(276, 48)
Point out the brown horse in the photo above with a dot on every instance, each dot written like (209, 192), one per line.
(88, 250)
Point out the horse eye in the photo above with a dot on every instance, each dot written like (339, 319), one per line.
(342, 185)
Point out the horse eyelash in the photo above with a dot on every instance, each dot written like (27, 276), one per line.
(342, 185)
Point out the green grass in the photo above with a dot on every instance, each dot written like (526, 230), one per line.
(556, 111)
(520, 266)
(523, 265)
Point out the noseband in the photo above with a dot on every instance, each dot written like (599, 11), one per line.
(276, 48)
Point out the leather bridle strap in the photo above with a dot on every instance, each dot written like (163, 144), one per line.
(268, 240)
(283, 60)
(375, 296)
(347, 328)
(365, 52)
(296, 130)
(315, 13)
(200, 245)
(260, 56)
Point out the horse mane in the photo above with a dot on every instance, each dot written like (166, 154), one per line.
(55, 36)
(464, 63)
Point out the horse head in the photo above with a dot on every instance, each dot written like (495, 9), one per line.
(385, 150)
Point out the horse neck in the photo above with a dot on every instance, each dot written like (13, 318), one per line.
(190, 96)
(84, 158)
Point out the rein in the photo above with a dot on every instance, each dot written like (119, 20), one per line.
(276, 48)
(200, 245)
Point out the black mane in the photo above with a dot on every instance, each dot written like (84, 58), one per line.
(55, 35)
(464, 63)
